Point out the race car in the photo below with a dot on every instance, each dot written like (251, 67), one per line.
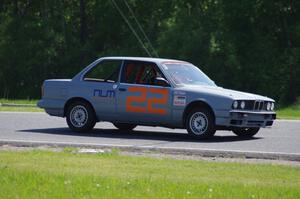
(131, 91)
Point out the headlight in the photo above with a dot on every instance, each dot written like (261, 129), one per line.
(272, 106)
(269, 106)
(243, 104)
(235, 104)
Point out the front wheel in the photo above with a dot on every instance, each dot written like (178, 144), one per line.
(80, 117)
(200, 123)
(124, 126)
(245, 132)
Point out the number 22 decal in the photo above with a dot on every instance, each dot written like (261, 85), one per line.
(150, 101)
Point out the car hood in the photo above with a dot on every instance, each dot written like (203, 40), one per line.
(219, 91)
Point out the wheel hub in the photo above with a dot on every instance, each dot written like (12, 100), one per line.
(78, 116)
(198, 123)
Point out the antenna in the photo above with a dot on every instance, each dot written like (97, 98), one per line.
(131, 28)
(140, 27)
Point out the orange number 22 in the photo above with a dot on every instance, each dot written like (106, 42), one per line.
(150, 102)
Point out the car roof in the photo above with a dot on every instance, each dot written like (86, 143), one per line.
(149, 59)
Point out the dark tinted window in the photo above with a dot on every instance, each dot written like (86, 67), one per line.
(140, 73)
(105, 71)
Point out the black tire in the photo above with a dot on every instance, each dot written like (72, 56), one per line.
(80, 117)
(245, 132)
(205, 118)
(125, 126)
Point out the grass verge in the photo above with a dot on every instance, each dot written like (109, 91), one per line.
(42, 174)
(290, 112)
(19, 109)
(18, 101)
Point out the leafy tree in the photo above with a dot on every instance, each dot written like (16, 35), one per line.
(247, 45)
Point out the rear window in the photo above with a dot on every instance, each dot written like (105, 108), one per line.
(105, 71)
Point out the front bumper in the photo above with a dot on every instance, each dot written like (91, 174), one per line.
(238, 118)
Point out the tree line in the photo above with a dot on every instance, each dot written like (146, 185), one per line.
(247, 45)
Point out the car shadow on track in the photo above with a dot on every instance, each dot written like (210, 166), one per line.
(137, 134)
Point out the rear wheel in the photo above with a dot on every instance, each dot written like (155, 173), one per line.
(80, 117)
(125, 126)
(200, 123)
(245, 132)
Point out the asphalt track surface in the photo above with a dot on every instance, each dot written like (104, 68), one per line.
(282, 139)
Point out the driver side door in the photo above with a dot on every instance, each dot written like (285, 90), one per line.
(140, 99)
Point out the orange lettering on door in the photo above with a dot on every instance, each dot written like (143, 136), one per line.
(150, 102)
(139, 99)
(163, 100)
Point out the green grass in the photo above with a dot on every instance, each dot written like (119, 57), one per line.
(290, 112)
(18, 101)
(40, 174)
(20, 109)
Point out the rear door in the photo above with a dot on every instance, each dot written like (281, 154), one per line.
(139, 99)
(100, 84)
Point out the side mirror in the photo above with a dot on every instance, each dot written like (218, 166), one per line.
(160, 81)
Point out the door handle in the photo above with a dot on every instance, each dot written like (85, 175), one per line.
(122, 89)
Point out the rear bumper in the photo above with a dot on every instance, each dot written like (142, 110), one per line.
(53, 107)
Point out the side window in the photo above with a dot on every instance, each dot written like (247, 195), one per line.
(105, 71)
(140, 73)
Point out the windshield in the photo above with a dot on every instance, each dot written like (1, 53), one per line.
(187, 74)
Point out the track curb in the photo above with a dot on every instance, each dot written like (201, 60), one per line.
(165, 150)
